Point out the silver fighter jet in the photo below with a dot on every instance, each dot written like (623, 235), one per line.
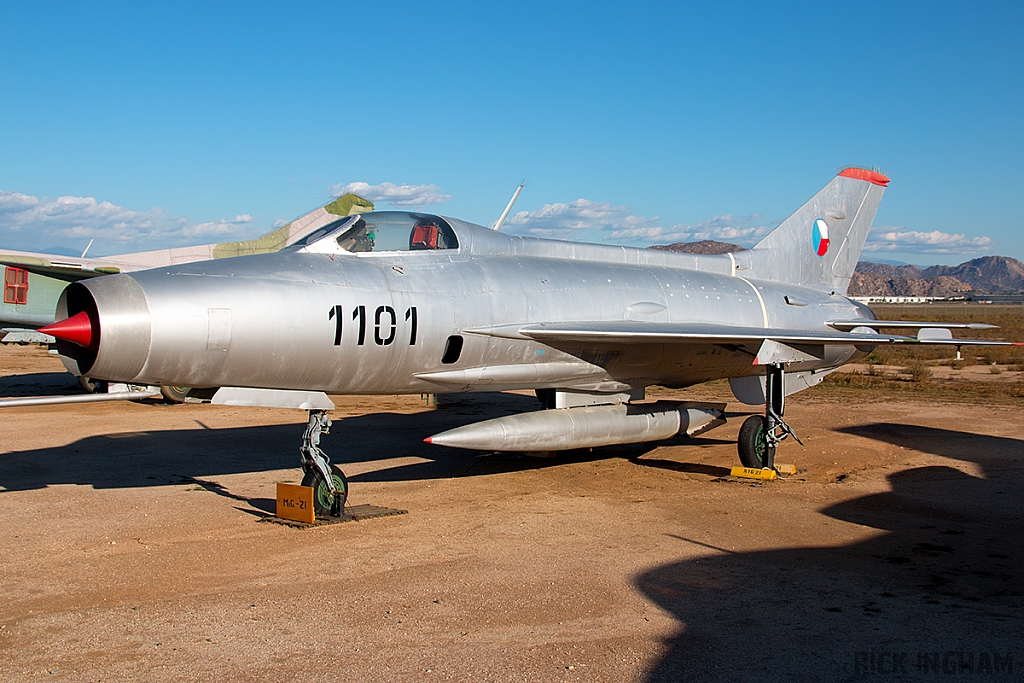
(396, 302)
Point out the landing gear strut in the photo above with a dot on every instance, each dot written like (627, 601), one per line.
(760, 436)
(330, 487)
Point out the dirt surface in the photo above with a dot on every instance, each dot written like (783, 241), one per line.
(130, 547)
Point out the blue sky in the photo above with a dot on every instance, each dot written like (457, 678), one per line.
(144, 125)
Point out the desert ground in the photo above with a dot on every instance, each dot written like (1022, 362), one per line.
(131, 546)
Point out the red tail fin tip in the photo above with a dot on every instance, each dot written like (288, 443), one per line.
(864, 174)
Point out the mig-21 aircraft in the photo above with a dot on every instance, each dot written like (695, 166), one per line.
(396, 302)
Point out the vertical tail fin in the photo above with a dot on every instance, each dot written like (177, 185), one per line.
(820, 244)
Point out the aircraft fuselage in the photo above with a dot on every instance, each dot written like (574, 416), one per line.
(386, 322)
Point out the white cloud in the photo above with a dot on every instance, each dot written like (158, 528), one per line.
(33, 223)
(576, 220)
(221, 227)
(15, 201)
(396, 195)
(744, 230)
(584, 219)
(934, 242)
(78, 217)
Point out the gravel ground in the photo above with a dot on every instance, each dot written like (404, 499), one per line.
(131, 547)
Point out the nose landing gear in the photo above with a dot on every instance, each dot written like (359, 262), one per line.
(760, 435)
(330, 487)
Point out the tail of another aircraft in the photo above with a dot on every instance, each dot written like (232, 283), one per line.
(820, 244)
(275, 240)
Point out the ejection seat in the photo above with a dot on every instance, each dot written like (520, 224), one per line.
(423, 237)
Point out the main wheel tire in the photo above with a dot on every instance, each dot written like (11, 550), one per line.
(752, 444)
(323, 499)
(175, 394)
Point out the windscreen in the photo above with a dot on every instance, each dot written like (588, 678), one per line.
(322, 232)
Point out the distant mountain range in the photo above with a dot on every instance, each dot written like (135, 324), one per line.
(703, 247)
(988, 274)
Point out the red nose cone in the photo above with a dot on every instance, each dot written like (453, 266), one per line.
(77, 329)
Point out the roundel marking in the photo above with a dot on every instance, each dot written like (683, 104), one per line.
(820, 235)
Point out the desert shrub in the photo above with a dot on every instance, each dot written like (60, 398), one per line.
(850, 379)
(918, 371)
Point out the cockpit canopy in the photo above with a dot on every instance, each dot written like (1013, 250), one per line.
(381, 231)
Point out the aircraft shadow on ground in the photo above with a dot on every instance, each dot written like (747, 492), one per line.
(39, 384)
(195, 455)
(937, 592)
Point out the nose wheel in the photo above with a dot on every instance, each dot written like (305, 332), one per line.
(760, 435)
(330, 487)
(328, 498)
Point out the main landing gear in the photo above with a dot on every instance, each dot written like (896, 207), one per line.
(760, 435)
(330, 487)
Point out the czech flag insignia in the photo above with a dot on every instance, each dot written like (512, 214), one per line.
(820, 237)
